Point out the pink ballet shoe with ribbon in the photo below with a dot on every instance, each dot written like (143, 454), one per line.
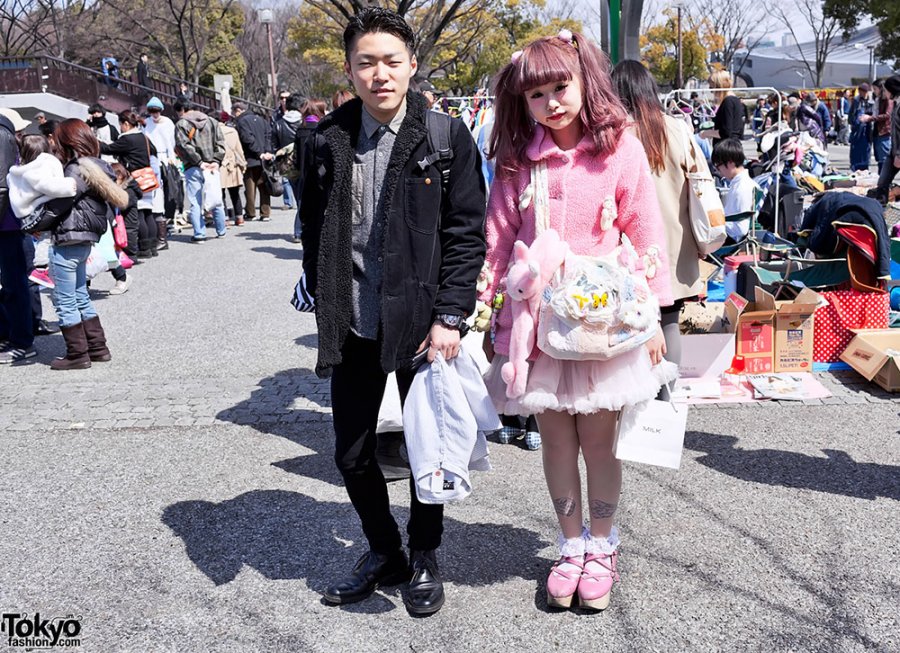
(562, 584)
(600, 560)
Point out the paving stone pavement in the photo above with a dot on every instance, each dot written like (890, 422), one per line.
(184, 498)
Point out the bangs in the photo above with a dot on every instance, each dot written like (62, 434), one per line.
(543, 62)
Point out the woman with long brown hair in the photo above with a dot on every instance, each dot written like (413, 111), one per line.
(670, 151)
(75, 224)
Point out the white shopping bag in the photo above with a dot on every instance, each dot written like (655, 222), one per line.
(212, 190)
(96, 262)
(390, 417)
(652, 433)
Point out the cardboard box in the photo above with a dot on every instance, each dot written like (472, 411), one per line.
(794, 323)
(773, 336)
(753, 324)
(705, 354)
(868, 354)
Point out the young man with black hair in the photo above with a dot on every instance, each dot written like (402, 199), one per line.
(392, 251)
(728, 161)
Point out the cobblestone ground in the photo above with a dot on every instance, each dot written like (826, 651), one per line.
(183, 498)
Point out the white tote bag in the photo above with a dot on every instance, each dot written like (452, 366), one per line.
(652, 433)
(707, 212)
(212, 190)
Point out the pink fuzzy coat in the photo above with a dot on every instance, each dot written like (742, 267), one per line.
(579, 182)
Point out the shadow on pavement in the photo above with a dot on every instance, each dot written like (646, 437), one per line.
(256, 235)
(285, 253)
(271, 409)
(287, 535)
(836, 474)
(310, 340)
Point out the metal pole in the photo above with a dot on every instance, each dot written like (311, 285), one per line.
(615, 28)
(679, 81)
(872, 63)
(272, 65)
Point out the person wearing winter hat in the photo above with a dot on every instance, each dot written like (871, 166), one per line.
(161, 132)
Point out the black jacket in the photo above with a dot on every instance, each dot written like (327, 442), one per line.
(9, 154)
(85, 217)
(284, 129)
(433, 247)
(847, 208)
(256, 137)
(131, 150)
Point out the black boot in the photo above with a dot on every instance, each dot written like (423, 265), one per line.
(144, 248)
(162, 230)
(76, 357)
(426, 590)
(371, 571)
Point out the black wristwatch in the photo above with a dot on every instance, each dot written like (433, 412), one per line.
(450, 321)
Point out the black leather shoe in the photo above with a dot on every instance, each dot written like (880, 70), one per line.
(42, 328)
(426, 590)
(371, 571)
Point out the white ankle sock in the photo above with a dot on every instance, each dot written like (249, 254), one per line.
(605, 545)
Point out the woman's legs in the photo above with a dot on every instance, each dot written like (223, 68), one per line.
(560, 453)
(596, 433)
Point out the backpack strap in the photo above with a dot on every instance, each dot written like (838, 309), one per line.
(440, 149)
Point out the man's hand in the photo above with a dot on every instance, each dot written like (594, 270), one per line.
(656, 347)
(897, 161)
(266, 156)
(441, 339)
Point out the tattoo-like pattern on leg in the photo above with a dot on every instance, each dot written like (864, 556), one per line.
(565, 506)
(601, 509)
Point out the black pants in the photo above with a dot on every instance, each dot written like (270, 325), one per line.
(885, 178)
(37, 311)
(235, 193)
(147, 231)
(15, 298)
(357, 387)
(133, 219)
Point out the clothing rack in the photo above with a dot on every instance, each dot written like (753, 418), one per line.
(777, 167)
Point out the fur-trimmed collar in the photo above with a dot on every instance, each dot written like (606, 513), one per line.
(97, 175)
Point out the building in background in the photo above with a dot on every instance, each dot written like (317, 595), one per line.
(848, 62)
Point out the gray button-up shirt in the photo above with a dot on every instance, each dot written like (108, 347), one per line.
(373, 152)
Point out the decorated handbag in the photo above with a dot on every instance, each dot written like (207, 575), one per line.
(145, 177)
(595, 308)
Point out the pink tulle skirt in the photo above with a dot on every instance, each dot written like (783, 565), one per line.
(581, 387)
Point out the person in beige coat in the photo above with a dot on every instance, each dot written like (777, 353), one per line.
(668, 143)
(233, 166)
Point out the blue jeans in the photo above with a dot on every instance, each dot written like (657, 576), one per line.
(15, 300)
(288, 193)
(882, 147)
(70, 296)
(193, 178)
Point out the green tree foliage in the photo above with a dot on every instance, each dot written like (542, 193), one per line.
(462, 44)
(659, 46)
(885, 14)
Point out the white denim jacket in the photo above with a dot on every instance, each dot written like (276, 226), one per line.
(445, 418)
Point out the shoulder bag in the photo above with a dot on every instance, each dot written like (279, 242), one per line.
(145, 177)
(707, 212)
(596, 307)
